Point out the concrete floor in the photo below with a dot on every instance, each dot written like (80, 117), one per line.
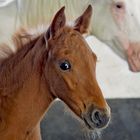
(125, 123)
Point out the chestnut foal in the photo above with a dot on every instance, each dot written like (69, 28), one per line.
(54, 64)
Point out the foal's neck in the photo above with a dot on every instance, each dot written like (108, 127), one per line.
(24, 95)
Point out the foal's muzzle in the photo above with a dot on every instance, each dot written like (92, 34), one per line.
(97, 118)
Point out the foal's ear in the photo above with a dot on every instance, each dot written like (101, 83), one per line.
(82, 23)
(58, 22)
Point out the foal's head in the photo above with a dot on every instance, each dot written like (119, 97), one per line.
(70, 70)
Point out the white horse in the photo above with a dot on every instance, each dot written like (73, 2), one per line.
(116, 22)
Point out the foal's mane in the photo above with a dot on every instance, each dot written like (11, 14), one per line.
(24, 42)
(21, 38)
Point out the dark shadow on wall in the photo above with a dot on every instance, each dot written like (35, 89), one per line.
(125, 123)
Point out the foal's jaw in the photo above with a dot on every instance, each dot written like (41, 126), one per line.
(91, 113)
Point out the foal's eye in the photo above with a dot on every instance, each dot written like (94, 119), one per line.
(65, 65)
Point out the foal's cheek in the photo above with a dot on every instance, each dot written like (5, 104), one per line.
(71, 82)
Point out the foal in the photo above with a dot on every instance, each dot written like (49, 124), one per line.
(55, 64)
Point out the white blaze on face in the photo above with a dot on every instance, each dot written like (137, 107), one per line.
(117, 22)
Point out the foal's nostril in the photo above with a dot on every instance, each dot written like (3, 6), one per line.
(96, 118)
(99, 119)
